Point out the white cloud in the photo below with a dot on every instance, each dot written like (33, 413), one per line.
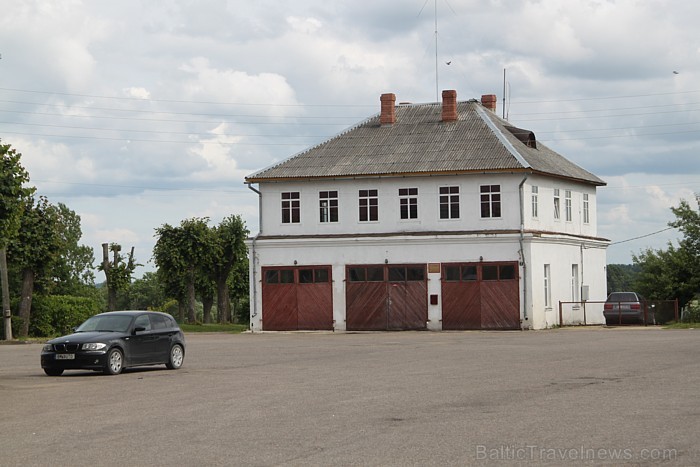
(196, 95)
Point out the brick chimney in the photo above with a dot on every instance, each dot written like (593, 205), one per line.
(489, 101)
(388, 115)
(449, 106)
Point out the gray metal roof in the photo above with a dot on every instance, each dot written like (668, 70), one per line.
(420, 143)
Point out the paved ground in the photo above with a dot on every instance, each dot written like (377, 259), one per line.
(569, 396)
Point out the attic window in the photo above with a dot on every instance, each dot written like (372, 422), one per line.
(526, 137)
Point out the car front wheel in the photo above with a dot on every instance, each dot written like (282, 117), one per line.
(115, 362)
(53, 371)
(177, 356)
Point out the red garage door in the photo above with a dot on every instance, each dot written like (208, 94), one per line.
(386, 297)
(480, 296)
(297, 298)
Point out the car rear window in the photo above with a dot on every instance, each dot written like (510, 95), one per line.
(623, 297)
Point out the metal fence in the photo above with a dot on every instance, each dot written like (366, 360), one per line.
(591, 312)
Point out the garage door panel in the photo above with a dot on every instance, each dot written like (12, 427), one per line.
(480, 296)
(461, 306)
(366, 306)
(279, 307)
(315, 306)
(500, 305)
(414, 309)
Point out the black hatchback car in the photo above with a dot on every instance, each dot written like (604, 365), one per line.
(110, 342)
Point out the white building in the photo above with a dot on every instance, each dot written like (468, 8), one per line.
(431, 216)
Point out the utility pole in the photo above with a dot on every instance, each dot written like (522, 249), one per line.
(6, 313)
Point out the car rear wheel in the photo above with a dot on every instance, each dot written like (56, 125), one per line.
(115, 362)
(177, 356)
(53, 371)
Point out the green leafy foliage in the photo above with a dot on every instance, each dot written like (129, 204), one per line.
(674, 272)
(13, 193)
(55, 315)
(622, 277)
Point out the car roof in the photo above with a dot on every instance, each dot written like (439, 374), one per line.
(132, 313)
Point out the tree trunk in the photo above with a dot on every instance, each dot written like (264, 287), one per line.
(180, 312)
(6, 314)
(107, 267)
(223, 301)
(207, 303)
(191, 317)
(25, 305)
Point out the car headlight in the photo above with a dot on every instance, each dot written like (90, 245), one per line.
(94, 346)
(47, 348)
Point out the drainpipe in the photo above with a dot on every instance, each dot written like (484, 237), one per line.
(522, 239)
(255, 263)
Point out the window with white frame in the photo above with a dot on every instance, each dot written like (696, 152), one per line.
(328, 206)
(556, 204)
(575, 295)
(369, 205)
(449, 202)
(586, 214)
(567, 204)
(490, 201)
(291, 207)
(547, 287)
(408, 203)
(535, 196)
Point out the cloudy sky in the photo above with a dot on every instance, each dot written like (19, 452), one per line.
(141, 113)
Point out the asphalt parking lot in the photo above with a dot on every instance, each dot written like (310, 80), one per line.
(559, 397)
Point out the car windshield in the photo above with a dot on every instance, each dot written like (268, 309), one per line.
(114, 323)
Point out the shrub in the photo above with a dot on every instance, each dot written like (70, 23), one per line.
(57, 314)
(691, 314)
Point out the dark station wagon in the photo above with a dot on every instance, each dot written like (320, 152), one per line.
(110, 342)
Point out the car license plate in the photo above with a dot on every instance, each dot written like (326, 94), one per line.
(65, 356)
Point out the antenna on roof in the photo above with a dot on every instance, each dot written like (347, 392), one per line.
(506, 94)
(437, 98)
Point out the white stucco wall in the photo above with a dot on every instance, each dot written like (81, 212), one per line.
(389, 213)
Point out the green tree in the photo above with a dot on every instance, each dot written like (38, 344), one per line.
(674, 272)
(179, 254)
(73, 273)
(34, 251)
(621, 277)
(13, 196)
(144, 294)
(231, 251)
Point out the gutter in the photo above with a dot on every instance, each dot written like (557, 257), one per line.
(522, 239)
(252, 253)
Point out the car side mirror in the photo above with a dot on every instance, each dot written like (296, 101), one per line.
(139, 329)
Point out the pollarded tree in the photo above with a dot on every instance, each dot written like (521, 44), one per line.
(229, 235)
(179, 254)
(118, 271)
(13, 196)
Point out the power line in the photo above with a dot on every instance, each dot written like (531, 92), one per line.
(641, 236)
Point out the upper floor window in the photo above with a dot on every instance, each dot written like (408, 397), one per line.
(567, 204)
(449, 202)
(586, 214)
(535, 196)
(328, 206)
(369, 205)
(556, 204)
(490, 201)
(291, 207)
(408, 203)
